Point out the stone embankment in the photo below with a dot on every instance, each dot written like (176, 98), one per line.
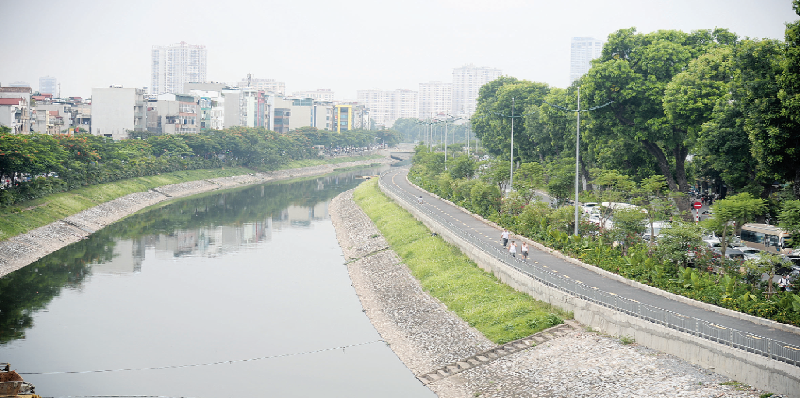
(455, 360)
(21, 250)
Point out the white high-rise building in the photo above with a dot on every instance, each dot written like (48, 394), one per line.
(434, 98)
(48, 85)
(582, 51)
(387, 106)
(322, 94)
(467, 81)
(268, 85)
(175, 65)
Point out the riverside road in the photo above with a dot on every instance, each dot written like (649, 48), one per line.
(490, 235)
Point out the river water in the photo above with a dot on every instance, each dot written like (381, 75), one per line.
(239, 292)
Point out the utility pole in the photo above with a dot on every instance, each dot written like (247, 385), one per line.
(578, 146)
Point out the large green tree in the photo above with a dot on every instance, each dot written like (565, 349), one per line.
(498, 101)
(634, 71)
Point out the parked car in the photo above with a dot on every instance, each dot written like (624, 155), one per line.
(750, 253)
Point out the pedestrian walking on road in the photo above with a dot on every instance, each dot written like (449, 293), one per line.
(524, 251)
(513, 249)
(504, 237)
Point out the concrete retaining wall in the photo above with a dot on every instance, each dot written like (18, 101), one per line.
(752, 369)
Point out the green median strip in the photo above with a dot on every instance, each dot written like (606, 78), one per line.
(501, 313)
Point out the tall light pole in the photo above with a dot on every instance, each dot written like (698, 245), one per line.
(513, 104)
(511, 178)
(577, 146)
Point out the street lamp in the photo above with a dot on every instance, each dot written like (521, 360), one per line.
(577, 146)
(512, 116)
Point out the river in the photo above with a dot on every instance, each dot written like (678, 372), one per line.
(224, 294)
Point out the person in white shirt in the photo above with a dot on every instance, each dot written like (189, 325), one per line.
(504, 236)
(513, 249)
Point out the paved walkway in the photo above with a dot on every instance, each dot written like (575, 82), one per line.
(491, 235)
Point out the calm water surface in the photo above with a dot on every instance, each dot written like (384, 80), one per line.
(249, 274)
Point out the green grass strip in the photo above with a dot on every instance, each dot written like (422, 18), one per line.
(32, 214)
(26, 216)
(498, 311)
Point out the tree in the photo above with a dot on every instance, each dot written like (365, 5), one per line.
(783, 152)
(634, 71)
(628, 226)
(789, 219)
(651, 196)
(464, 167)
(677, 241)
(738, 209)
(560, 179)
(527, 178)
(613, 187)
(492, 121)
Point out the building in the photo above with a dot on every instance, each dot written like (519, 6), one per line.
(173, 114)
(48, 85)
(117, 110)
(434, 98)
(15, 111)
(266, 85)
(387, 106)
(582, 51)
(467, 82)
(19, 84)
(175, 65)
(321, 94)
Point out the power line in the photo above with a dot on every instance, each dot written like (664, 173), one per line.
(202, 364)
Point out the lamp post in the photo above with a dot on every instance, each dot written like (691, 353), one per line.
(578, 146)
(513, 104)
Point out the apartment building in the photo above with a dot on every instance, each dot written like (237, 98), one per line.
(117, 110)
(467, 82)
(175, 65)
(317, 95)
(48, 85)
(15, 111)
(267, 85)
(581, 53)
(387, 106)
(434, 98)
(173, 114)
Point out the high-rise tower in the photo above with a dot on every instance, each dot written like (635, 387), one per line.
(582, 51)
(175, 65)
(467, 81)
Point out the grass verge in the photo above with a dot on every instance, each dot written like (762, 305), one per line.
(32, 214)
(501, 313)
(23, 217)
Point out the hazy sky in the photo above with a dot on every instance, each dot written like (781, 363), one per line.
(340, 45)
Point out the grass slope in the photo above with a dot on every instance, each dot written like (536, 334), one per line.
(21, 218)
(32, 214)
(501, 313)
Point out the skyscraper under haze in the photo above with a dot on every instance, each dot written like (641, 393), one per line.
(48, 85)
(175, 65)
(467, 81)
(582, 51)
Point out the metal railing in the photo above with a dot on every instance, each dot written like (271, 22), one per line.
(749, 342)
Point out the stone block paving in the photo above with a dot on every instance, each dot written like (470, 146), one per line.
(498, 352)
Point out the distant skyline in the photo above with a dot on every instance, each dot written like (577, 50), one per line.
(342, 46)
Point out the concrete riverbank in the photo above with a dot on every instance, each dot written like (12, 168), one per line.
(569, 362)
(24, 249)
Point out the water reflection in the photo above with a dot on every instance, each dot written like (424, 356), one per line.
(210, 225)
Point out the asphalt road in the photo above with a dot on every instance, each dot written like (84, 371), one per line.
(491, 235)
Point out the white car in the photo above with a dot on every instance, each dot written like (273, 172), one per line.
(750, 253)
